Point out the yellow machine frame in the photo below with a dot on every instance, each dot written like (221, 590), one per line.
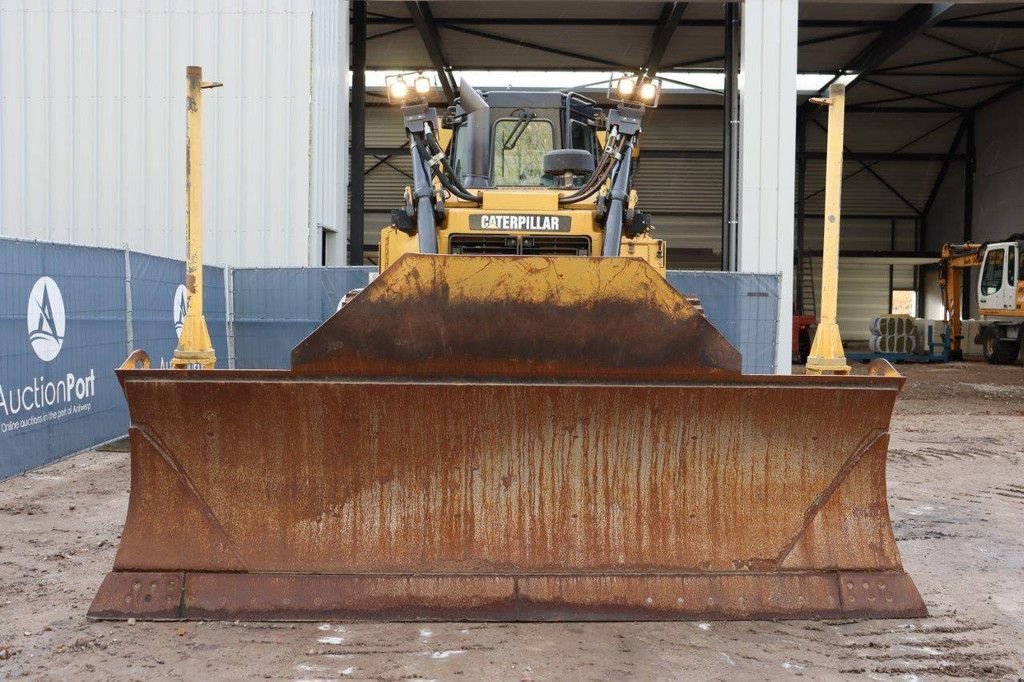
(394, 243)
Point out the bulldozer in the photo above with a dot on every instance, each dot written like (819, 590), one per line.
(519, 419)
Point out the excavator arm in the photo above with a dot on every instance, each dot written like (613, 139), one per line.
(954, 259)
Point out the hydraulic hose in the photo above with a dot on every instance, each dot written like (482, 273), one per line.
(426, 224)
(597, 179)
(444, 176)
(617, 206)
(443, 171)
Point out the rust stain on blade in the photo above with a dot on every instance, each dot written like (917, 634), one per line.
(597, 482)
(518, 317)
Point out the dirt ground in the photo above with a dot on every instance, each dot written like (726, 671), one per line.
(956, 488)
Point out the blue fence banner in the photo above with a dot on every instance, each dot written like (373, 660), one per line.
(275, 308)
(159, 305)
(62, 333)
(743, 307)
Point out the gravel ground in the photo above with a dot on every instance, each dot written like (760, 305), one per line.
(956, 488)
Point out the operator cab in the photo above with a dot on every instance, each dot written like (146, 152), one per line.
(507, 138)
(1001, 283)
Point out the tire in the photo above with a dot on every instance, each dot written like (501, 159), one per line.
(999, 351)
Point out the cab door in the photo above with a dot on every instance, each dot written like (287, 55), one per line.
(997, 286)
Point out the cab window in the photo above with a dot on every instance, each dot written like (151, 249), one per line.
(519, 148)
(583, 137)
(1011, 272)
(992, 274)
(460, 151)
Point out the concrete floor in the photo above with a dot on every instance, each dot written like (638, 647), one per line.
(956, 488)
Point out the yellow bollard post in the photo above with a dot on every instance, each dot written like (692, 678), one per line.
(195, 350)
(827, 356)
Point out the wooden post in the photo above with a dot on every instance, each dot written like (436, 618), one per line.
(195, 350)
(827, 356)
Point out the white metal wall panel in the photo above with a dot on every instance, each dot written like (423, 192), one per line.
(768, 151)
(328, 200)
(92, 124)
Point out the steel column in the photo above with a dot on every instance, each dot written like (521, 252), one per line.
(768, 153)
(731, 140)
(801, 207)
(969, 167)
(195, 350)
(827, 356)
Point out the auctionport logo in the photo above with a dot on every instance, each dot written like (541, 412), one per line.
(46, 399)
(180, 308)
(46, 319)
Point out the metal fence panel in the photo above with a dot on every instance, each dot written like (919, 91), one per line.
(62, 333)
(744, 307)
(158, 307)
(276, 308)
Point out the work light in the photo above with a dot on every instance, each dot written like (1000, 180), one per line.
(398, 89)
(631, 88)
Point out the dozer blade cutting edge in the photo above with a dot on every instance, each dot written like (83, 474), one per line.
(508, 438)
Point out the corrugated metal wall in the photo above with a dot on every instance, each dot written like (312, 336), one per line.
(92, 124)
(328, 200)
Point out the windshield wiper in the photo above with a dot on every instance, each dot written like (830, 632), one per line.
(517, 132)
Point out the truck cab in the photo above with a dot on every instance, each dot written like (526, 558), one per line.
(1001, 283)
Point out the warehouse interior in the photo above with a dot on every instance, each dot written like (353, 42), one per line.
(931, 135)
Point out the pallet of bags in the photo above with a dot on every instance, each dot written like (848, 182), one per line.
(893, 334)
(970, 347)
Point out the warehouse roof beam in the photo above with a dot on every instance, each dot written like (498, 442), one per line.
(890, 41)
(533, 46)
(907, 93)
(802, 43)
(928, 95)
(390, 32)
(671, 14)
(1008, 90)
(899, 149)
(868, 167)
(946, 60)
(975, 53)
(423, 20)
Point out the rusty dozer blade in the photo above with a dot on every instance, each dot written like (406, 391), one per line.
(508, 438)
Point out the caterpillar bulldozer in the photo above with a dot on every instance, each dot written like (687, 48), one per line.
(518, 419)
